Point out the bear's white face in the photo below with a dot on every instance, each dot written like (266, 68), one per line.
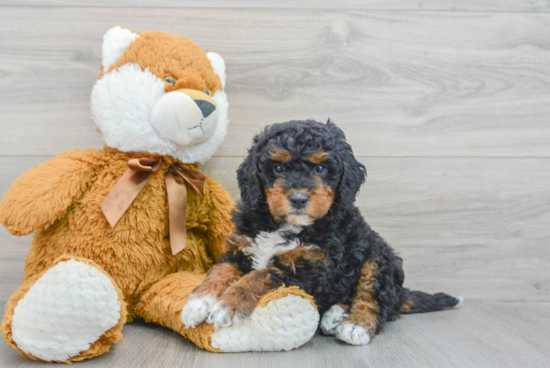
(135, 114)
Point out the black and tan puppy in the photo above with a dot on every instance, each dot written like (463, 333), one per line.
(297, 225)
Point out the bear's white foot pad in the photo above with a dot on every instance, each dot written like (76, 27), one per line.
(68, 309)
(283, 324)
(196, 310)
(352, 334)
(332, 318)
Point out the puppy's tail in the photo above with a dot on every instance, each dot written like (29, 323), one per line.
(421, 302)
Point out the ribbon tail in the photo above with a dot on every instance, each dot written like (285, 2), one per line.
(177, 207)
(123, 194)
(194, 178)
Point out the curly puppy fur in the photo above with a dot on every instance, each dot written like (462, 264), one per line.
(297, 225)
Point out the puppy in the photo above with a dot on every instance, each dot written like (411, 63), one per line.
(297, 225)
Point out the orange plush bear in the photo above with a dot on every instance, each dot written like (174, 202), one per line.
(130, 230)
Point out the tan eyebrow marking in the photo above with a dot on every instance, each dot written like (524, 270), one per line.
(318, 157)
(278, 155)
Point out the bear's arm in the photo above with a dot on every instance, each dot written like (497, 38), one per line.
(43, 194)
(220, 225)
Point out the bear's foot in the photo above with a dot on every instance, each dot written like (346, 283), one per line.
(283, 320)
(71, 312)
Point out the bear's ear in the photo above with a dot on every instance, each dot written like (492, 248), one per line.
(218, 64)
(115, 42)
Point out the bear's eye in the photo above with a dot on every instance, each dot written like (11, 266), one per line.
(279, 169)
(170, 80)
(207, 92)
(320, 169)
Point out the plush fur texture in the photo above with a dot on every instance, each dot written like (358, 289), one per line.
(115, 42)
(260, 334)
(101, 277)
(304, 174)
(74, 250)
(55, 345)
(272, 326)
(63, 211)
(44, 324)
(132, 82)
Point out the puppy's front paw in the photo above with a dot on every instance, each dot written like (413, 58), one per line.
(352, 334)
(196, 310)
(225, 312)
(332, 318)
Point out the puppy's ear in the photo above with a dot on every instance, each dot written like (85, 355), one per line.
(248, 178)
(353, 173)
(353, 177)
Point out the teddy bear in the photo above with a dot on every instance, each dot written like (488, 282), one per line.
(128, 231)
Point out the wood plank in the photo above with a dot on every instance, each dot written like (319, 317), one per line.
(475, 228)
(473, 335)
(450, 5)
(399, 83)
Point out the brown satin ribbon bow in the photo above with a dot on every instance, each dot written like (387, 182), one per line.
(134, 179)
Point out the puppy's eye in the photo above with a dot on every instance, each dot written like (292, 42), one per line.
(170, 80)
(320, 169)
(279, 169)
(207, 92)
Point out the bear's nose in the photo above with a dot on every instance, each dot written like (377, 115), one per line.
(206, 107)
(299, 199)
(185, 116)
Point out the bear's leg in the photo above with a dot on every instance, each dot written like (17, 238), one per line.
(70, 312)
(282, 320)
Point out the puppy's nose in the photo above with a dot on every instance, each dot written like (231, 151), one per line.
(299, 199)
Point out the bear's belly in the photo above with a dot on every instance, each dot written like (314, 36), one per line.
(136, 253)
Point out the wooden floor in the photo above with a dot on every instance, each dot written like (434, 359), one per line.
(446, 102)
(476, 334)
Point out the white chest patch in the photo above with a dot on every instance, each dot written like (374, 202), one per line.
(267, 244)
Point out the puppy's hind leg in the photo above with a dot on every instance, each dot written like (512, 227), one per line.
(360, 326)
(333, 317)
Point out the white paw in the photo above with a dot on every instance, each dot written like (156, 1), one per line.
(352, 334)
(332, 318)
(221, 316)
(196, 310)
(68, 309)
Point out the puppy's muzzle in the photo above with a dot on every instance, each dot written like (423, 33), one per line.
(186, 117)
(298, 200)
